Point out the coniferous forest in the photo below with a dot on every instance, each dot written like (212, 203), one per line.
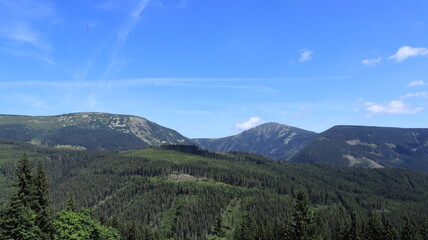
(213, 120)
(183, 192)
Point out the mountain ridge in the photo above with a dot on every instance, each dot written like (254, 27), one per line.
(342, 145)
(274, 140)
(368, 146)
(92, 130)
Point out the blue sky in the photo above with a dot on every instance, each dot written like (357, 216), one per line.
(214, 68)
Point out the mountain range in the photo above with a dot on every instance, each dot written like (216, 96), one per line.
(351, 146)
(93, 131)
(167, 186)
(273, 140)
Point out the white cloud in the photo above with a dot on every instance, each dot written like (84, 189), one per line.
(92, 100)
(250, 123)
(416, 94)
(405, 52)
(371, 62)
(393, 107)
(305, 55)
(416, 83)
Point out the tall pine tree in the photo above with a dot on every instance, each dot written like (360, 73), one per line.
(41, 197)
(302, 226)
(374, 228)
(25, 191)
(389, 231)
(410, 230)
(246, 230)
(19, 219)
(218, 227)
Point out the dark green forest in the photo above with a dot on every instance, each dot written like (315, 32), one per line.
(183, 192)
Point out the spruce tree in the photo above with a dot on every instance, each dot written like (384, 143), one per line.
(353, 232)
(374, 228)
(18, 222)
(424, 228)
(19, 219)
(147, 233)
(338, 232)
(70, 205)
(42, 200)
(286, 232)
(302, 227)
(389, 231)
(265, 230)
(246, 230)
(410, 230)
(25, 191)
(218, 227)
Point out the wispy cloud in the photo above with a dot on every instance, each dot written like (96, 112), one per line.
(92, 100)
(392, 107)
(82, 72)
(416, 94)
(238, 83)
(305, 55)
(31, 54)
(108, 5)
(18, 25)
(23, 33)
(250, 123)
(255, 88)
(181, 4)
(117, 63)
(371, 62)
(405, 52)
(188, 112)
(416, 83)
(30, 101)
(132, 20)
(304, 110)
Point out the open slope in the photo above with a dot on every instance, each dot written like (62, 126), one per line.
(373, 147)
(88, 130)
(272, 140)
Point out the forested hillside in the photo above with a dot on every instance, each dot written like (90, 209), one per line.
(373, 147)
(183, 192)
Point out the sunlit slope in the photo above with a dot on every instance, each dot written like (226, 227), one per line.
(88, 131)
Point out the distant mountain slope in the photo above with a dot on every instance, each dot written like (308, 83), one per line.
(373, 147)
(273, 140)
(88, 130)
